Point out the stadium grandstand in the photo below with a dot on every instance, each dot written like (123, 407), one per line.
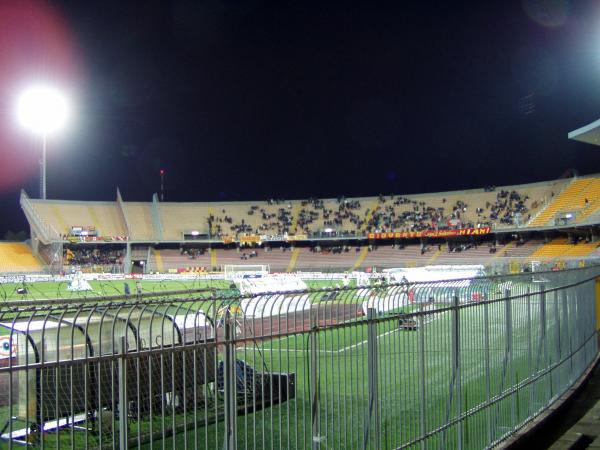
(545, 221)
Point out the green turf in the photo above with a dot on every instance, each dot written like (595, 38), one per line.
(52, 290)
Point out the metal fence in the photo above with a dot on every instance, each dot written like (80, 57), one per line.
(450, 364)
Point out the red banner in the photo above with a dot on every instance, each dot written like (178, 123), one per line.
(249, 239)
(431, 233)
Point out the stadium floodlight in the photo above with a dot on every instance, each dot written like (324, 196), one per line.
(43, 110)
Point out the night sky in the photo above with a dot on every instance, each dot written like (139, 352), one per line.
(247, 100)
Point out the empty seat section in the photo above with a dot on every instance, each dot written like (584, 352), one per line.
(107, 219)
(388, 256)
(523, 251)
(17, 257)
(560, 248)
(62, 216)
(139, 217)
(179, 217)
(571, 198)
(592, 194)
(277, 259)
(174, 259)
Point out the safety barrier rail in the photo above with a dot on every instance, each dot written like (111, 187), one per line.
(448, 364)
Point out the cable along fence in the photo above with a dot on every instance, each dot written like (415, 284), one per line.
(452, 364)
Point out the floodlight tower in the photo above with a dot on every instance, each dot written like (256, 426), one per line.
(43, 111)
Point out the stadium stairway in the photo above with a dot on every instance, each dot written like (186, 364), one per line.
(437, 254)
(211, 212)
(573, 196)
(17, 257)
(159, 262)
(500, 253)
(295, 215)
(361, 257)
(293, 259)
(374, 204)
(213, 258)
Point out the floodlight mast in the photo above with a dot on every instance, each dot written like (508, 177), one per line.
(43, 110)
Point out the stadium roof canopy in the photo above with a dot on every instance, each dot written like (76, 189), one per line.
(590, 134)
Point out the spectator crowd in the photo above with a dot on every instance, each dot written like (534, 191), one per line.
(345, 217)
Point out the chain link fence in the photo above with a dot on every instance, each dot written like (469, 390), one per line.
(448, 364)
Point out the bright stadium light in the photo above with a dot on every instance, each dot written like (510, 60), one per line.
(43, 110)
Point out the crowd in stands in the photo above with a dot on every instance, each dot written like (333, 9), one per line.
(245, 256)
(192, 253)
(349, 217)
(457, 247)
(91, 256)
(336, 249)
(386, 217)
(506, 207)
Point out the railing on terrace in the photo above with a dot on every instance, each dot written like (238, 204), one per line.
(156, 221)
(48, 230)
(450, 364)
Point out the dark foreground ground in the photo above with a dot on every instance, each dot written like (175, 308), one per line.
(555, 427)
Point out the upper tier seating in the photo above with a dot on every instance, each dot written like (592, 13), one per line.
(593, 196)
(502, 207)
(139, 217)
(179, 217)
(63, 215)
(581, 194)
(507, 207)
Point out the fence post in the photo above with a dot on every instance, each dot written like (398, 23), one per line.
(488, 379)
(314, 381)
(529, 352)
(509, 353)
(122, 365)
(456, 364)
(373, 408)
(567, 334)
(422, 408)
(229, 381)
(557, 330)
(544, 340)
